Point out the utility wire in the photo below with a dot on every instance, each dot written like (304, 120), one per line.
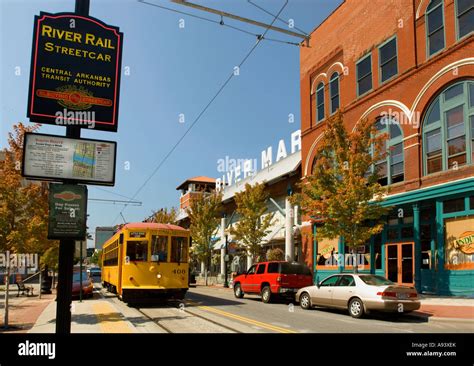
(117, 194)
(221, 22)
(165, 158)
(278, 18)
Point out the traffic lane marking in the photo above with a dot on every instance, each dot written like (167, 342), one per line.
(244, 319)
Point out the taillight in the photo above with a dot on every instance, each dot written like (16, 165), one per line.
(412, 294)
(387, 294)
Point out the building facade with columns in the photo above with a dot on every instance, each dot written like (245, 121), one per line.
(281, 182)
(407, 65)
(280, 179)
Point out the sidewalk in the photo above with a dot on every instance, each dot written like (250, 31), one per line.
(446, 309)
(23, 310)
(89, 316)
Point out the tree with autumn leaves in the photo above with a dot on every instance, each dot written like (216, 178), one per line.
(24, 205)
(343, 190)
(23, 208)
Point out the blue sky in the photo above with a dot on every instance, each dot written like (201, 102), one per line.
(174, 71)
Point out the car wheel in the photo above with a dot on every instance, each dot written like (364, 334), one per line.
(238, 293)
(266, 294)
(305, 301)
(356, 308)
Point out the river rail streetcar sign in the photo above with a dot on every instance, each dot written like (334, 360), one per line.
(58, 158)
(75, 72)
(67, 211)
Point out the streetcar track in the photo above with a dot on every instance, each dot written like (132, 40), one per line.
(190, 313)
(154, 320)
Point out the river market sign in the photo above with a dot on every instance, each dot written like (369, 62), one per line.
(244, 168)
(75, 72)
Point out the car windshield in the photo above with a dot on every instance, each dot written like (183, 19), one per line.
(76, 276)
(294, 268)
(375, 280)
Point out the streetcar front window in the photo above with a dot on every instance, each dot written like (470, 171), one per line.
(159, 248)
(137, 250)
(179, 249)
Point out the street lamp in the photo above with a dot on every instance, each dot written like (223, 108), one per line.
(226, 259)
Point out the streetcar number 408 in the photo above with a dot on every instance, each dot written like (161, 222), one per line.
(179, 271)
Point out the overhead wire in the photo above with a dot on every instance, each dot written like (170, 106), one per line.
(219, 91)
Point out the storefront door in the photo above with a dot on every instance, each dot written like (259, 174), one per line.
(399, 263)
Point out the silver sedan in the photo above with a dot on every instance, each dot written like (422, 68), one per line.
(359, 293)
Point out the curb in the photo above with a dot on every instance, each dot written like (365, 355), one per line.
(429, 318)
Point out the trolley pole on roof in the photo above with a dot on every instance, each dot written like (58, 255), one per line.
(67, 246)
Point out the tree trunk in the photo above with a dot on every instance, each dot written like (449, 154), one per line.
(7, 291)
(355, 265)
(206, 269)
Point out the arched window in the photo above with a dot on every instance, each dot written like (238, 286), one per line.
(320, 102)
(464, 17)
(334, 92)
(391, 168)
(448, 129)
(434, 27)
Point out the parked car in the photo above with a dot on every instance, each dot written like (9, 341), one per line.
(94, 272)
(272, 279)
(87, 286)
(359, 293)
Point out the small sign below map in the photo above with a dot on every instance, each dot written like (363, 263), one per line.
(67, 211)
(57, 158)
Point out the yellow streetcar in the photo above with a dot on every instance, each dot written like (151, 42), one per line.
(146, 261)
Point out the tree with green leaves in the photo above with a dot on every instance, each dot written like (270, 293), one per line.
(343, 190)
(254, 220)
(96, 258)
(203, 214)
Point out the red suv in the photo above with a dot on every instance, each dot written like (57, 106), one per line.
(271, 279)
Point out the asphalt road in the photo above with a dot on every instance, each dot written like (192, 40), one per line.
(216, 310)
(292, 318)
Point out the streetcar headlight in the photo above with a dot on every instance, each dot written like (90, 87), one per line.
(158, 275)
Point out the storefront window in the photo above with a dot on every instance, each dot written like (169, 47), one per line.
(472, 202)
(459, 243)
(378, 251)
(327, 252)
(425, 236)
(454, 205)
(363, 251)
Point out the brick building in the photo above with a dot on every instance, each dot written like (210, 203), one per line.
(408, 65)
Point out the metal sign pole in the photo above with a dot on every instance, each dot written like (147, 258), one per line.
(66, 246)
